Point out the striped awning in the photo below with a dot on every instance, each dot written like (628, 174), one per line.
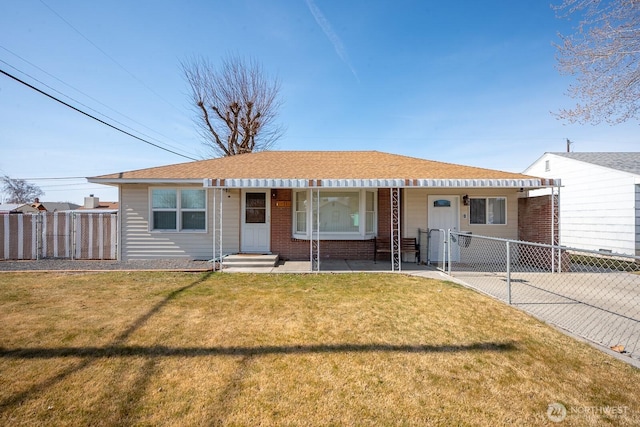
(377, 183)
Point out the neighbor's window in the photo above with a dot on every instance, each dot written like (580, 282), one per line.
(338, 214)
(490, 210)
(178, 209)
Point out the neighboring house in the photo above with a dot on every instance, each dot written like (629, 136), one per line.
(53, 206)
(599, 199)
(16, 208)
(276, 201)
(94, 205)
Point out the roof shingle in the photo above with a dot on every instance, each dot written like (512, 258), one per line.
(313, 165)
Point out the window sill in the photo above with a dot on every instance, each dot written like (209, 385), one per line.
(335, 236)
(178, 231)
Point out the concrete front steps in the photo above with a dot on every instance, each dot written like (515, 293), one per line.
(249, 261)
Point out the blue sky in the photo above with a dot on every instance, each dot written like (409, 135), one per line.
(461, 81)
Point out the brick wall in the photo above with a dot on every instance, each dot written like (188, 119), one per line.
(534, 225)
(534, 219)
(283, 244)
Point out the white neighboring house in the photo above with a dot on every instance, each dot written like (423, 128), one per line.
(599, 198)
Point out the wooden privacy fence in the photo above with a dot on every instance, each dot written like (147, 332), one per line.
(70, 235)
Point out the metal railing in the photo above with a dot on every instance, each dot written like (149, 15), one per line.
(433, 247)
(592, 294)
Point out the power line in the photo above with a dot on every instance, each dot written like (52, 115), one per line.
(83, 93)
(52, 178)
(84, 105)
(107, 55)
(92, 117)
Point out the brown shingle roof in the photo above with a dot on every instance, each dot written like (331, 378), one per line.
(312, 165)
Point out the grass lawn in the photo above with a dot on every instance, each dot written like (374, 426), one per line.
(234, 349)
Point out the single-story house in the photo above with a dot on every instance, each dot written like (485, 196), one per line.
(93, 204)
(306, 204)
(16, 208)
(53, 206)
(600, 198)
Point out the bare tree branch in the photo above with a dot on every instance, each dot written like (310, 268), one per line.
(19, 190)
(603, 54)
(236, 105)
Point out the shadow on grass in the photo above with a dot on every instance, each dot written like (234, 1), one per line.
(88, 359)
(126, 406)
(164, 351)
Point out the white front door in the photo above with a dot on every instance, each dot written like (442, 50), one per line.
(444, 213)
(256, 229)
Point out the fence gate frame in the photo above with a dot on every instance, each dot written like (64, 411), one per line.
(64, 235)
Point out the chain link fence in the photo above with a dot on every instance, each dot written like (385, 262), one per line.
(592, 294)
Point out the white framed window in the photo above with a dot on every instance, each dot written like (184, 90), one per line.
(178, 209)
(343, 214)
(488, 210)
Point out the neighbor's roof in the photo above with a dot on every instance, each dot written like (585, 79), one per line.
(627, 162)
(286, 169)
(17, 207)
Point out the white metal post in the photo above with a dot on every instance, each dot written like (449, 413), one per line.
(447, 251)
(508, 272)
(396, 259)
(557, 224)
(213, 231)
(216, 228)
(314, 237)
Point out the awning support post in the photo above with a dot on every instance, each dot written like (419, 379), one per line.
(314, 238)
(396, 260)
(216, 230)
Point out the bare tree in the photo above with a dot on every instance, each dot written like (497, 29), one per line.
(604, 56)
(236, 105)
(19, 190)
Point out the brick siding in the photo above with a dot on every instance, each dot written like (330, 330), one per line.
(534, 219)
(289, 248)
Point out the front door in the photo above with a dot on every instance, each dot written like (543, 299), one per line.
(256, 231)
(444, 213)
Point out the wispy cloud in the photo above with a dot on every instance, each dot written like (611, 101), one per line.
(331, 35)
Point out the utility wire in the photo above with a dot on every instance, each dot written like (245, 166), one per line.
(85, 94)
(86, 106)
(107, 55)
(92, 117)
(53, 178)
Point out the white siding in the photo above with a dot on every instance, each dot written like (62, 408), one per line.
(598, 208)
(415, 211)
(231, 222)
(138, 242)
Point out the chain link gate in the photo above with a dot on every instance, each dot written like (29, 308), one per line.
(595, 295)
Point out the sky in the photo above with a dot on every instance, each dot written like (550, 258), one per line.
(465, 82)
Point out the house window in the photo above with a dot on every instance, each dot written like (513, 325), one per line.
(547, 166)
(490, 210)
(256, 208)
(178, 209)
(300, 221)
(340, 214)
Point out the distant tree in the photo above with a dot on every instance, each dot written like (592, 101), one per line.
(604, 56)
(236, 105)
(19, 190)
